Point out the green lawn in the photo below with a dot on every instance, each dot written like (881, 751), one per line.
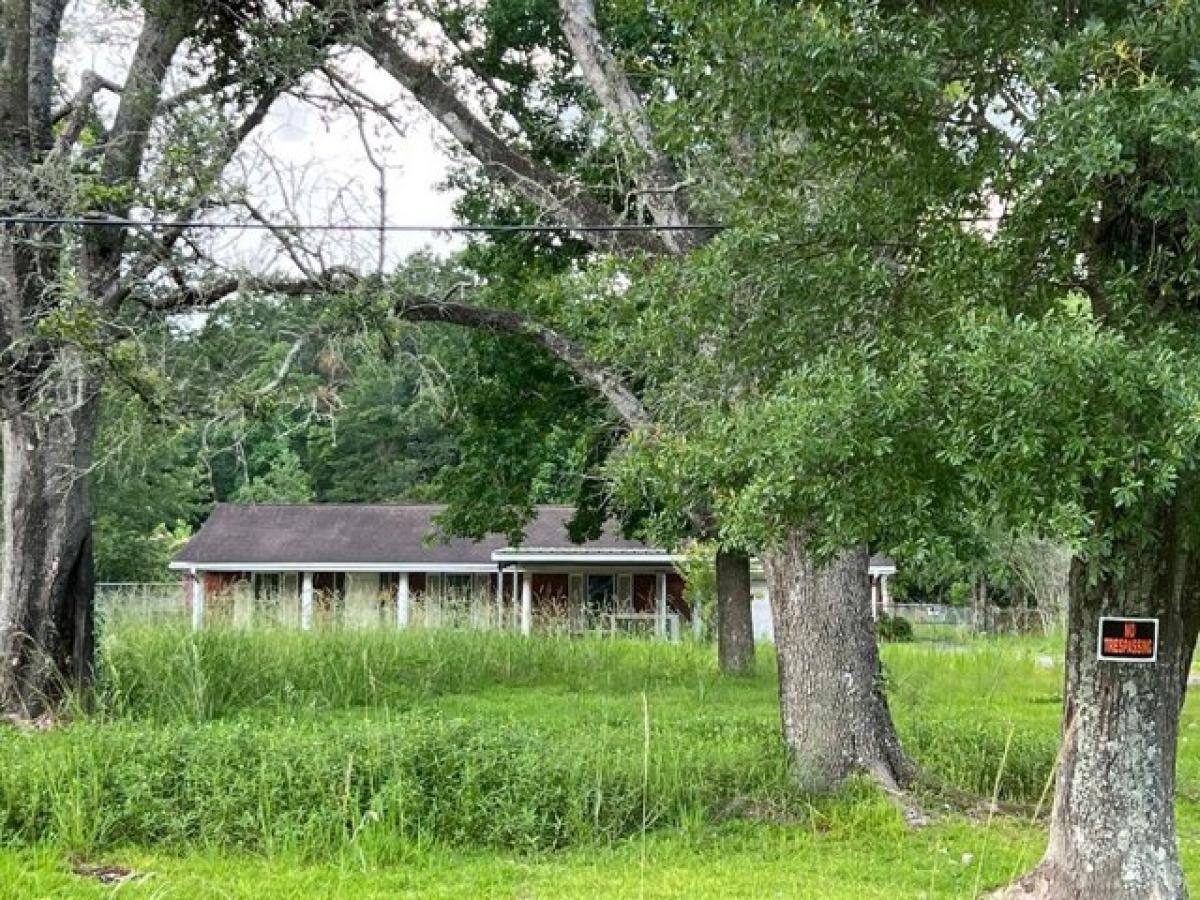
(278, 765)
(869, 855)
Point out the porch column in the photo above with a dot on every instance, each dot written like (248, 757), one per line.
(197, 600)
(403, 604)
(874, 597)
(499, 598)
(662, 604)
(245, 602)
(515, 591)
(527, 604)
(306, 601)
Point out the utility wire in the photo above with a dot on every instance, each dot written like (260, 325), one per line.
(114, 222)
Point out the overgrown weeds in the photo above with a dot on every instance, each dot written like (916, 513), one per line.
(319, 787)
(381, 745)
(172, 674)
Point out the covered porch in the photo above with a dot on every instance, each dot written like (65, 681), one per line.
(312, 566)
(608, 597)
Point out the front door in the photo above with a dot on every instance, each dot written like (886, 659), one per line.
(601, 594)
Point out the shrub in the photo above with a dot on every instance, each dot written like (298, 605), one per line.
(315, 790)
(894, 628)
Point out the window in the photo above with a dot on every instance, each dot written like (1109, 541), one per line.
(600, 591)
(625, 593)
(266, 585)
(457, 583)
(330, 584)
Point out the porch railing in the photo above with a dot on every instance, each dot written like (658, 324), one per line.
(169, 602)
(643, 624)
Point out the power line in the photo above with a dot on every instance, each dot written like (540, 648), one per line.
(114, 222)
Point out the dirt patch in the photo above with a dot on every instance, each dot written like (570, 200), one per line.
(43, 722)
(105, 874)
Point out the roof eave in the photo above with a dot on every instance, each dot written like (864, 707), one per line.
(611, 557)
(181, 565)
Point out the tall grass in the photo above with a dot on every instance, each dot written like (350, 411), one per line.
(381, 744)
(174, 674)
(306, 788)
(959, 708)
(311, 744)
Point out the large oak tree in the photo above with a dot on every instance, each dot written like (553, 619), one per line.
(1022, 355)
(154, 143)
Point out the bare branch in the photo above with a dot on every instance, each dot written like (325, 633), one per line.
(601, 379)
(142, 267)
(356, 100)
(205, 296)
(285, 367)
(90, 84)
(660, 184)
(76, 114)
(286, 239)
(560, 198)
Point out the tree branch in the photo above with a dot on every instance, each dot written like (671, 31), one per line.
(538, 184)
(285, 367)
(143, 266)
(503, 321)
(46, 17)
(205, 296)
(660, 184)
(75, 112)
(604, 381)
(160, 38)
(122, 155)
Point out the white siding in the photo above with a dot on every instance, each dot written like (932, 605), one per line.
(363, 608)
(760, 616)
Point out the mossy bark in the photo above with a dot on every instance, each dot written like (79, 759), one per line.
(47, 582)
(1112, 832)
(835, 716)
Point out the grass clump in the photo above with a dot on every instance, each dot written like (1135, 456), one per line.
(894, 628)
(309, 789)
(172, 674)
(382, 747)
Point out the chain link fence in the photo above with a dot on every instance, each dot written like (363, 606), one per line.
(143, 601)
(998, 618)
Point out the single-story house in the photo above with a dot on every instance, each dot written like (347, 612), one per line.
(363, 564)
(372, 564)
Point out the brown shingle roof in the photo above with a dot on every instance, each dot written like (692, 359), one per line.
(363, 533)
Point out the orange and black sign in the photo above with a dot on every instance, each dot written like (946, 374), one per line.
(1128, 640)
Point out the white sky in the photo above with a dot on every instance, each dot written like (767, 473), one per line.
(304, 164)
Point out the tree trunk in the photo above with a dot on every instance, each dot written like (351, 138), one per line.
(1112, 833)
(735, 622)
(47, 583)
(835, 717)
(983, 607)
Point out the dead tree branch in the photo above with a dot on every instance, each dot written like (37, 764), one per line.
(659, 183)
(560, 197)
